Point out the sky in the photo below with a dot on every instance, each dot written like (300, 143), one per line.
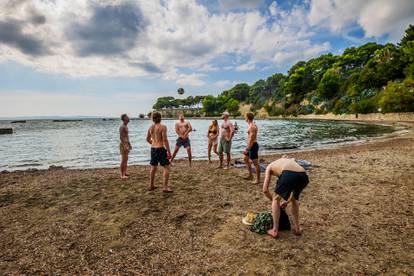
(108, 57)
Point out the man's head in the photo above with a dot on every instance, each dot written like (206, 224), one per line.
(249, 116)
(125, 118)
(156, 117)
(181, 117)
(225, 115)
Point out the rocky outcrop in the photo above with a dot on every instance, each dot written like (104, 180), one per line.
(6, 131)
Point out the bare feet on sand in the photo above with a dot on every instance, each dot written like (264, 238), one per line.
(297, 232)
(274, 234)
(124, 177)
(256, 182)
(250, 177)
(167, 190)
(152, 188)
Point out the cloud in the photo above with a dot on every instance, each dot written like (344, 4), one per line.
(246, 67)
(191, 80)
(11, 34)
(147, 66)
(375, 17)
(239, 4)
(111, 30)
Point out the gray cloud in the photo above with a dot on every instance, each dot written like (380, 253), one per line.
(239, 4)
(38, 19)
(111, 30)
(11, 34)
(147, 67)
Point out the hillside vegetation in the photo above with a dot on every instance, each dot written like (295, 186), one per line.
(365, 79)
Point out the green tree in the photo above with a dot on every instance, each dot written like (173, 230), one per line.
(329, 84)
(232, 107)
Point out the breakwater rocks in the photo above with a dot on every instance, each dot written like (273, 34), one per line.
(6, 131)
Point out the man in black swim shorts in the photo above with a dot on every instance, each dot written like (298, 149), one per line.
(251, 154)
(160, 151)
(292, 180)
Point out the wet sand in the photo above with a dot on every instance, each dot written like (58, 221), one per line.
(357, 215)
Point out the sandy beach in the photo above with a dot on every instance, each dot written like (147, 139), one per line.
(357, 215)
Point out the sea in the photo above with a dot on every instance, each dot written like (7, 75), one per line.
(94, 143)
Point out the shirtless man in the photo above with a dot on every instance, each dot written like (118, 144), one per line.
(183, 129)
(251, 153)
(292, 180)
(226, 135)
(124, 145)
(160, 151)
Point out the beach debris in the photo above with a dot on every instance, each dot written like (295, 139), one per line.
(240, 164)
(6, 131)
(55, 168)
(306, 164)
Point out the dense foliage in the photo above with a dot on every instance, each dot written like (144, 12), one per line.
(365, 79)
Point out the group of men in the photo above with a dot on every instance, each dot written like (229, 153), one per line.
(292, 178)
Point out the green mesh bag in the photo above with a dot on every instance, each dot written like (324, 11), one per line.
(262, 223)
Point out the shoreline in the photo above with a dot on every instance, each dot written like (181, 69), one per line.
(406, 128)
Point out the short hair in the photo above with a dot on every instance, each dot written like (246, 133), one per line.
(250, 116)
(123, 116)
(156, 117)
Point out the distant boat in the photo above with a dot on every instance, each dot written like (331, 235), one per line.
(17, 122)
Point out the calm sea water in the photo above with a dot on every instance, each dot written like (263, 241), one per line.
(94, 143)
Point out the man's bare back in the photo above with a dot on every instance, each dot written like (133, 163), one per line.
(252, 134)
(284, 164)
(157, 135)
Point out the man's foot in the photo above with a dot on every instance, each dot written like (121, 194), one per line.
(297, 232)
(124, 177)
(274, 234)
(167, 190)
(255, 182)
(250, 177)
(152, 188)
(219, 167)
(226, 168)
(126, 174)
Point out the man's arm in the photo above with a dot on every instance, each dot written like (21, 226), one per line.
(149, 139)
(231, 129)
(177, 130)
(266, 183)
(189, 129)
(165, 139)
(285, 204)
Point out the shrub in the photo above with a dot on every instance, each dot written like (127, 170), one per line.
(398, 97)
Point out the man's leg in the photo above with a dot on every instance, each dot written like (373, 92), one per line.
(274, 232)
(175, 153)
(257, 166)
(249, 168)
(166, 176)
(297, 230)
(190, 157)
(124, 165)
(228, 160)
(153, 170)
